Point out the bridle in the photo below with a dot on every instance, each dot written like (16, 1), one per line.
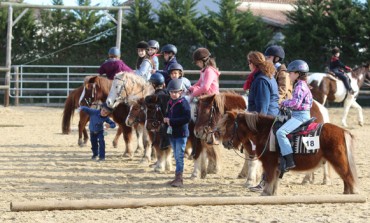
(124, 89)
(156, 120)
(91, 100)
(137, 117)
(211, 120)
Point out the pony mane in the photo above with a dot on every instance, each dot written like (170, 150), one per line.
(133, 77)
(251, 120)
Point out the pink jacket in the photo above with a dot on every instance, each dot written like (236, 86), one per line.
(207, 83)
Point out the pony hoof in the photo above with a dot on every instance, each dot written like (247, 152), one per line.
(158, 170)
(193, 177)
(241, 176)
(115, 144)
(203, 175)
(361, 124)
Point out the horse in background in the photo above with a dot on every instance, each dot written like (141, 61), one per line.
(326, 87)
(94, 90)
(209, 111)
(336, 146)
(127, 84)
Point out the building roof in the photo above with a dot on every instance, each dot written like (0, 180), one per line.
(271, 11)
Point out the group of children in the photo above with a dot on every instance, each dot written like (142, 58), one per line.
(292, 92)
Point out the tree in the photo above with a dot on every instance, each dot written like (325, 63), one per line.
(231, 34)
(318, 25)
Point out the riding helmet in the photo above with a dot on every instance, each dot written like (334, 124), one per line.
(175, 66)
(175, 85)
(114, 51)
(142, 45)
(276, 51)
(156, 78)
(169, 48)
(298, 66)
(201, 54)
(153, 44)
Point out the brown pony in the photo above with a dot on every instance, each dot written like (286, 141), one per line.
(210, 110)
(326, 87)
(336, 146)
(156, 106)
(95, 89)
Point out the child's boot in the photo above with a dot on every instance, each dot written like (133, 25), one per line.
(178, 182)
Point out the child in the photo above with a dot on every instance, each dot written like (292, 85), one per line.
(169, 55)
(157, 81)
(177, 119)
(209, 74)
(152, 51)
(144, 64)
(336, 66)
(300, 104)
(97, 119)
(177, 72)
(113, 65)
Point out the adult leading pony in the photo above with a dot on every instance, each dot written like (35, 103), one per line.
(336, 146)
(326, 87)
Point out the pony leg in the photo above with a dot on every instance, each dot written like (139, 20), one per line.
(140, 132)
(116, 137)
(203, 163)
(253, 167)
(327, 174)
(245, 169)
(196, 169)
(309, 178)
(147, 148)
(271, 185)
(347, 105)
(127, 137)
(168, 159)
(359, 110)
(214, 159)
(161, 160)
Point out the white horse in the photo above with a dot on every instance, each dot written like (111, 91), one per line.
(326, 87)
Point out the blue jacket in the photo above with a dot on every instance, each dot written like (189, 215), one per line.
(164, 72)
(96, 120)
(263, 95)
(178, 111)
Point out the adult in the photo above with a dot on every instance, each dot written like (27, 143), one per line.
(276, 54)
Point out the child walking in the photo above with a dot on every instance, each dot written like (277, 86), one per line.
(300, 105)
(177, 119)
(96, 126)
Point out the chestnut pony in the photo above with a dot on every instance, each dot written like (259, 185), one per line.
(209, 111)
(336, 146)
(326, 87)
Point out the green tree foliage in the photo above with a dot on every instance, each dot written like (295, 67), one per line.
(178, 24)
(317, 26)
(139, 25)
(231, 34)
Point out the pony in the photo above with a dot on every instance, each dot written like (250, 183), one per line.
(128, 84)
(209, 111)
(325, 87)
(336, 146)
(94, 89)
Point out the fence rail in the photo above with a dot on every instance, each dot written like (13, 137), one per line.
(51, 84)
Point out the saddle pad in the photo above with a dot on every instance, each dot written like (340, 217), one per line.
(297, 142)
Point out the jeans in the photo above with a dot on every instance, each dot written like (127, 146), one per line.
(98, 144)
(298, 117)
(343, 77)
(178, 146)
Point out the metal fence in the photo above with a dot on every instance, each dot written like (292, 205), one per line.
(51, 84)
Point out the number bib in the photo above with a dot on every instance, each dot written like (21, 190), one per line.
(311, 143)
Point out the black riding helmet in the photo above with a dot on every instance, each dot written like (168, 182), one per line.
(142, 45)
(276, 51)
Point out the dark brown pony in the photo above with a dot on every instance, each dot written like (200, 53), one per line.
(156, 106)
(326, 87)
(336, 145)
(95, 89)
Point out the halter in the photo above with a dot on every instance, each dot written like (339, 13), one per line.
(137, 118)
(91, 100)
(155, 121)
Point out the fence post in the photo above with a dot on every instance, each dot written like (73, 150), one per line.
(16, 71)
(8, 61)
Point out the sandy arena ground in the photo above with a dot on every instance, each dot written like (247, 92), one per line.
(39, 163)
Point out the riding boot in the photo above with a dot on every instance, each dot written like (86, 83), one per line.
(178, 182)
(289, 162)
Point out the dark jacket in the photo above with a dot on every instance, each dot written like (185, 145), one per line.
(164, 72)
(96, 120)
(178, 111)
(113, 66)
(337, 65)
(263, 95)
